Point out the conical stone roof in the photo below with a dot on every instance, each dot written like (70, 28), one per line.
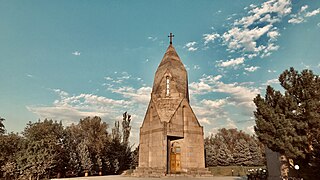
(171, 63)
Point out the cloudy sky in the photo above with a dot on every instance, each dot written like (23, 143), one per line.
(69, 59)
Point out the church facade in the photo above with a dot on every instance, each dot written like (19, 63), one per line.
(171, 138)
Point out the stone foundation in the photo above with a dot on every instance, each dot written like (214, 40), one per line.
(158, 172)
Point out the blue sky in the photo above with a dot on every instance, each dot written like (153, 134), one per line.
(69, 59)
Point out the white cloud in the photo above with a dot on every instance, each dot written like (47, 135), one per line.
(199, 88)
(250, 129)
(244, 39)
(303, 8)
(273, 35)
(271, 81)
(152, 38)
(279, 7)
(70, 109)
(296, 20)
(108, 78)
(266, 51)
(271, 71)
(232, 62)
(252, 34)
(196, 67)
(301, 16)
(60, 92)
(210, 37)
(76, 53)
(30, 75)
(252, 68)
(204, 120)
(191, 46)
(141, 95)
(240, 95)
(214, 104)
(313, 13)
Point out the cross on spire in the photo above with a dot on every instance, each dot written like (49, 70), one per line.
(171, 36)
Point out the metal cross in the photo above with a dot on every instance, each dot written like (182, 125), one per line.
(171, 36)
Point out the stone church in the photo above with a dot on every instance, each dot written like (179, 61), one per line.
(171, 138)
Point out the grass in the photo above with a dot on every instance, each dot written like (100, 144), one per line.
(227, 170)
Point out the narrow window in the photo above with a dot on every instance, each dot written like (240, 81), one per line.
(168, 87)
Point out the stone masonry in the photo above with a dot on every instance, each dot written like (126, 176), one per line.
(171, 138)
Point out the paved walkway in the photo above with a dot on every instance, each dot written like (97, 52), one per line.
(139, 178)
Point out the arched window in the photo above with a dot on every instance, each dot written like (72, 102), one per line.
(168, 86)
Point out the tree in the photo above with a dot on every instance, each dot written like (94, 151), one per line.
(42, 155)
(289, 123)
(255, 153)
(10, 146)
(94, 132)
(224, 157)
(126, 128)
(135, 158)
(85, 158)
(238, 145)
(119, 152)
(242, 154)
(10, 170)
(211, 155)
(71, 142)
(2, 128)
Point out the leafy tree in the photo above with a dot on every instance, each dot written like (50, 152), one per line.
(84, 155)
(2, 128)
(74, 164)
(48, 150)
(10, 170)
(94, 132)
(119, 152)
(42, 155)
(135, 158)
(126, 128)
(10, 146)
(71, 141)
(289, 123)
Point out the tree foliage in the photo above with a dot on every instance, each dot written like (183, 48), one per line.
(42, 150)
(233, 147)
(289, 122)
(126, 128)
(46, 149)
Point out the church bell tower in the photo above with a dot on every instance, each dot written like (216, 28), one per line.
(171, 138)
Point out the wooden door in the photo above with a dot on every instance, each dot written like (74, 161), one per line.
(175, 160)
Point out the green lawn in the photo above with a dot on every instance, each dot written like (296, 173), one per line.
(227, 170)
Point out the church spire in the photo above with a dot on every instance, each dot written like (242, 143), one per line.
(171, 68)
(171, 36)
